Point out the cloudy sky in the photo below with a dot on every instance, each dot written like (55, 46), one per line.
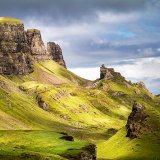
(124, 34)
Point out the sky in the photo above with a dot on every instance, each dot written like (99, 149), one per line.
(124, 34)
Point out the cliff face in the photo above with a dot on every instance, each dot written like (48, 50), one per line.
(36, 45)
(19, 48)
(14, 49)
(56, 53)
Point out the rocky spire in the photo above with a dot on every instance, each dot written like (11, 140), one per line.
(14, 49)
(110, 74)
(105, 73)
(56, 53)
(36, 44)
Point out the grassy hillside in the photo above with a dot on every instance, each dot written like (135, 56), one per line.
(54, 99)
(37, 145)
(9, 20)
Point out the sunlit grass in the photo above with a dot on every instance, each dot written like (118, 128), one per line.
(9, 20)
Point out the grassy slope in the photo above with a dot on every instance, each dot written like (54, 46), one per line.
(9, 20)
(88, 114)
(146, 146)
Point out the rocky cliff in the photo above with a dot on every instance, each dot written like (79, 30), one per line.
(18, 48)
(14, 49)
(56, 53)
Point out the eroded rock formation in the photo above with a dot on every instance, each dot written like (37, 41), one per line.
(19, 48)
(109, 74)
(14, 49)
(136, 121)
(36, 45)
(56, 53)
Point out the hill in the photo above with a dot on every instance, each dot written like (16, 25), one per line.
(48, 112)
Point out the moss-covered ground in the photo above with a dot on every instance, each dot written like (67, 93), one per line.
(9, 20)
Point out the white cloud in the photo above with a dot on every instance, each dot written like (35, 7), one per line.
(113, 17)
(87, 73)
(144, 67)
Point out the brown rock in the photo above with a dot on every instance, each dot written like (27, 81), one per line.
(105, 73)
(14, 49)
(136, 121)
(37, 47)
(56, 53)
(41, 103)
(110, 74)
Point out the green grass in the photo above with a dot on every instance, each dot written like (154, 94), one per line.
(9, 20)
(38, 143)
(87, 114)
(122, 148)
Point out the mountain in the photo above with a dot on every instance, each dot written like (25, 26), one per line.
(48, 112)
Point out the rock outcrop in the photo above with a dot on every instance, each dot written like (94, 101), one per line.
(36, 45)
(41, 103)
(88, 153)
(14, 49)
(158, 95)
(136, 121)
(56, 53)
(141, 85)
(109, 74)
(19, 48)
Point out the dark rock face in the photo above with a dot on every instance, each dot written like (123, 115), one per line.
(56, 53)
(136, 121)
(109, 74)
(14, 50)
(36, 45)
